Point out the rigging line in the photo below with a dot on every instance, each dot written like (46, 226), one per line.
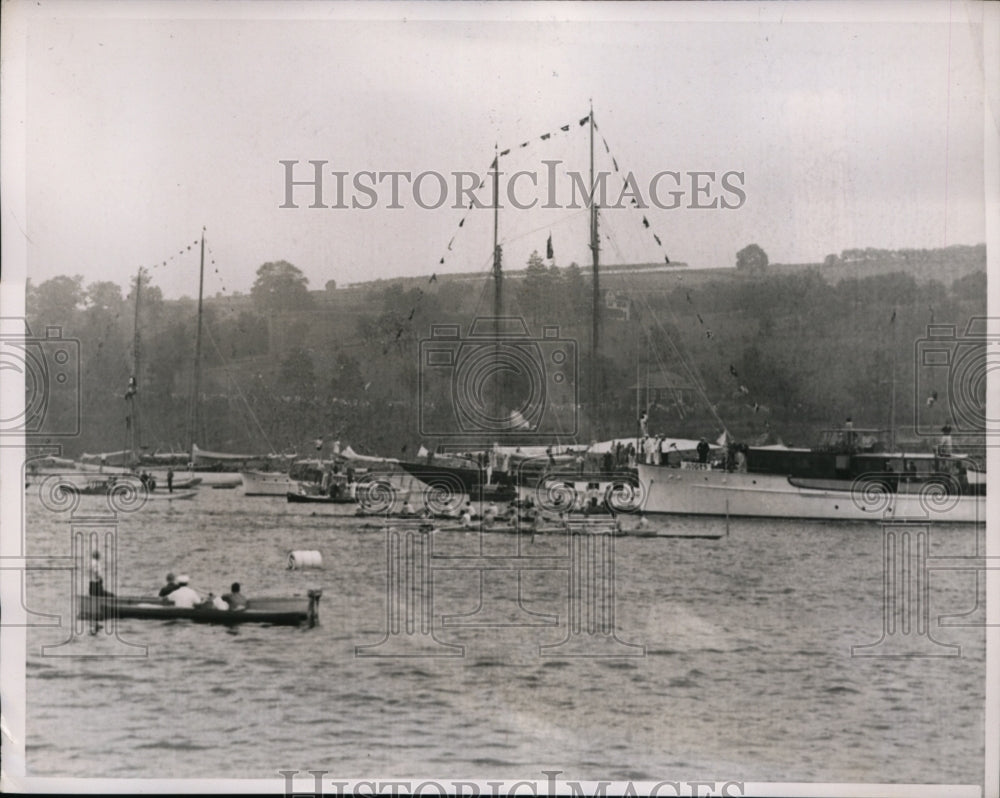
(170, 258)
(691, 372)
(569, 218)
(630, 206)
(716, 347)
(482, 298)
(236, 385)
(718, 354)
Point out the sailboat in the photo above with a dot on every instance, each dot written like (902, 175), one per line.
(218, 469)
(532, 473)
(109, 470)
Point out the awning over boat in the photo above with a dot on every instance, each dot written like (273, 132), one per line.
(666, 445)
(202, 455)
(122, 458)
(350, 454)
(51, 461)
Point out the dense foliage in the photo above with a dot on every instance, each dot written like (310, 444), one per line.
(757, 350)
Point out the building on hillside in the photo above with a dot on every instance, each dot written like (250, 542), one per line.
(665, 389)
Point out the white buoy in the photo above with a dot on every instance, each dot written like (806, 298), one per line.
(304, 559)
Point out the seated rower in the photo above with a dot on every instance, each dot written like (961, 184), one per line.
(184, 596)
(213, 602)
(234, 599)
(170, 587)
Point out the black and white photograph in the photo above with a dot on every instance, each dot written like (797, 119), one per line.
(499, 399)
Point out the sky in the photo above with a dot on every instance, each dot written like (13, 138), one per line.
(844, 126)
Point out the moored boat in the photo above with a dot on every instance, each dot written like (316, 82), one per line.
(93, 486)
(309, 476)
(274, 611)
(267, 483)
(312, 498)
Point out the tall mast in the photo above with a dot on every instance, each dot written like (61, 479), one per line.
(595, 381)
(135, 439)
(497, 270)
(498, 396)
(892, 394)
(197, 353)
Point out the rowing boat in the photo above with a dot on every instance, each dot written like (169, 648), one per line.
(275, 611)
(315, 498)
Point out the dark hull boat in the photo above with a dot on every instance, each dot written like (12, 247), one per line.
(273, 611)
(459, 479)
(311, 498)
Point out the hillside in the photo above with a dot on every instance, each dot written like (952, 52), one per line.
(783, 349)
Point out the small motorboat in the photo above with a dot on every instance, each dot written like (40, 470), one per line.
(275, 611)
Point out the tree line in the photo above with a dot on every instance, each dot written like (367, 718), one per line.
(283, 366)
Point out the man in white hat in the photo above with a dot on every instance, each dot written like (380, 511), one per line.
(184, 596)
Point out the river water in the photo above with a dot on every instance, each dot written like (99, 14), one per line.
(745, 669)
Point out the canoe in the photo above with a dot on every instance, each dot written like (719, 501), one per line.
(104, 488)
(175, 496)
(274, 611)
(307, 498)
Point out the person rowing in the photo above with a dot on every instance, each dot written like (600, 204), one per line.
(234, 599)
(213, 602)
(184, 596)
(171, 585)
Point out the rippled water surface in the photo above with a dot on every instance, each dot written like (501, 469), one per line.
(747, 670)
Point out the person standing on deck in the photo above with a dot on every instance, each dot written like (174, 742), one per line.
(946, 439)
(170, 480)
(649, 446)
(97, 576)
(703, 450)
(740, 458)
